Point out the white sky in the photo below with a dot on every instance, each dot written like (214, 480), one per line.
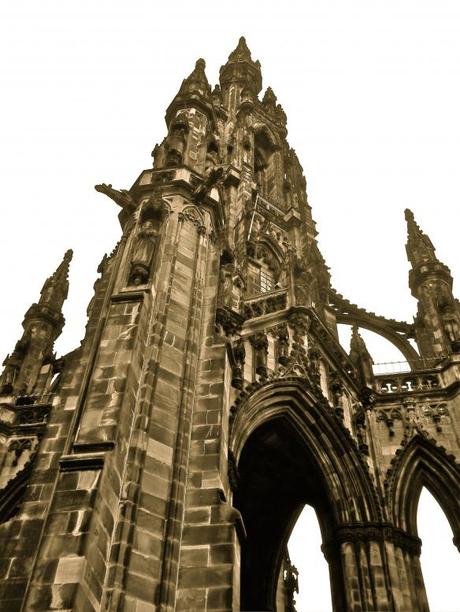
(370, 88)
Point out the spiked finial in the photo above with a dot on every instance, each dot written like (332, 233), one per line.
(196, 82)
(56, 287)
(242, 68)
(269, 98)
(241, 53)
(419, 247)
(361, 357)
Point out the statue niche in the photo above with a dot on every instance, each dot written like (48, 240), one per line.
(265, 164)
(146, 240)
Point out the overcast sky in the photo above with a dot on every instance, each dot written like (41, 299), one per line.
(371, 91)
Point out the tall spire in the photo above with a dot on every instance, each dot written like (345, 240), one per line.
(241, 69)
(437, 324)
(42, 324)
(419, 247)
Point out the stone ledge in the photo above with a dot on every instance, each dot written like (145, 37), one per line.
(82, 461)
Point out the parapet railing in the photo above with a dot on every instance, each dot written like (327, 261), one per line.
(408, 376)
(404, 383)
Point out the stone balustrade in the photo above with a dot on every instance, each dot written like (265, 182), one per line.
(265, 303)
(407, 382)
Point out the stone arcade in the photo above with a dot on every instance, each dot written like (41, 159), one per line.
(162, 464)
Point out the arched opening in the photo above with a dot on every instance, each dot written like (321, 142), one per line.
(440, 560)
(263, 268)
(305, 554)
(278, 475)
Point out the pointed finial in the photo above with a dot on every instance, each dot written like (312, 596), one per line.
(419, 247)
(56, 287)
(241, 52)
(409, 215)
(269, 99)
(241, 68)
(197, 81)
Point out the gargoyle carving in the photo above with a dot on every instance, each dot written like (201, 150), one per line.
(121, 197)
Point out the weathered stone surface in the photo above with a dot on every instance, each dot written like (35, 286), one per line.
(162, 464)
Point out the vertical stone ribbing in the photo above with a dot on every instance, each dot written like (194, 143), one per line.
(175, 508)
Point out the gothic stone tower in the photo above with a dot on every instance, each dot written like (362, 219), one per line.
(162, 464)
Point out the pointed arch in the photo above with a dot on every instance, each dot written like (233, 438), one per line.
(329, 443)
(268, 242)
(290, 449)
(421, 462)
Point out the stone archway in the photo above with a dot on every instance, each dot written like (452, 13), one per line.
(290, 450)
(421, 462)
(277, 476)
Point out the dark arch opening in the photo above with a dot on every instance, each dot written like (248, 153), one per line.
(277, 476)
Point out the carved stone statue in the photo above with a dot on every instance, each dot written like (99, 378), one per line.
(239, 356)
(146, 241)
(282, 344)
(175, 145)
(451, 326)
(260, 343)
(212, 175)
(314, 370)
(226, 285)
(142, 253)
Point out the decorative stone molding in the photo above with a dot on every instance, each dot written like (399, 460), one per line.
(228, 321)
(372, 532)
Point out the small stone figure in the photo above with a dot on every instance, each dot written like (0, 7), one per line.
(226, 285)
(146, 241)
(239, 356)
(336, 389)
(282, 345)
(314, 365)
(260, 343)
(142, 253)
(359, 420)
(175, 145)
(451, 326)
(212, 175)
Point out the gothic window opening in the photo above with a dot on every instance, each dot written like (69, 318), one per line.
(440, 560)
(267, 280)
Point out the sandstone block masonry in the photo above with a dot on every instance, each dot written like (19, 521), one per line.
(162, 464)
